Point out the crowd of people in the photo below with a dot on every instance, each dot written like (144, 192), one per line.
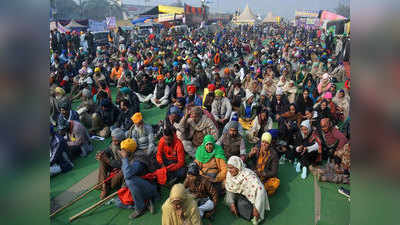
(239, 103)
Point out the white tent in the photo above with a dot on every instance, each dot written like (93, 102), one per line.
(246, 17)
(271, 19)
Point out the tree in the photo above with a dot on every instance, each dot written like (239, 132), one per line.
(343, 8)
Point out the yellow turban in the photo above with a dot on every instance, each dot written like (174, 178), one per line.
(97, 69)
(266, 137)
(128, 145)
(137, 117)
(160, 77)
(59, 90)
(218, 92)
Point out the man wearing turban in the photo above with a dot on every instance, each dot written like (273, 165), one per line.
(161, 93)
(193, 98)
(193, 128)
(109, 159)
(221, 108)
(143, 135)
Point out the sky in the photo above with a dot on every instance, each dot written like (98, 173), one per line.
(285, 8)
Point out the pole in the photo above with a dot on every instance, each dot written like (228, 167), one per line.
(72, 218)
(82, 195)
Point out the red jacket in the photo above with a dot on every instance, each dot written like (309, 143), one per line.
(175, 152)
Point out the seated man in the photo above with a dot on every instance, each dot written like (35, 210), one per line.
(180, 208)
(202, 189)
(221, 108)
(170, 122)
(133, 100)
(191, 131)
(178, 89)
(77, 136)
(331, 139)
(212, 161)
(171, 155)
(104, 118)
(66, 112)
(307, 149)
(142, 134)
(59, 160)
(141, 189)
(193, 98)
(161, 93)
(234, 118)
(232, 143)
(145, 89)
(208, 97)
(110, 160)
(266, 162)
(86, 108)
(124, 118)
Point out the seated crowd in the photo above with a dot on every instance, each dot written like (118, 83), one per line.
(225, 132)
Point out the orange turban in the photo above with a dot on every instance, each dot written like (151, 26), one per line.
(160, 77)
(179, 77)
(226, 71)
(191, 89)
(137, 117)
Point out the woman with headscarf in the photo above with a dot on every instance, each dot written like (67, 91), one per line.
(247, 111)
(324, 85)
(241, 180)
(308, 148)
(290, 91)
(211, 159)
(236, 94)
(180, 208)
(309, 84)
(262, 123)
(343, 104)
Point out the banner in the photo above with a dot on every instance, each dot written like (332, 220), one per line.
(306, 13)
(326, 15)
(168, 17)
(193, 10)
(111, 22)
(170, 9)
(95, 26)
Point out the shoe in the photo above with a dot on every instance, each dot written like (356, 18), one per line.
(150, 206)
(344, 192)
(304, 173)
(136, 213)
(298, 167)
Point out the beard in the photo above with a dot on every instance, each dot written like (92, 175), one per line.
(140, 130)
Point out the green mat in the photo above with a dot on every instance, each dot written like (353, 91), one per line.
(335, 208)
(293, 203)
(82, 167)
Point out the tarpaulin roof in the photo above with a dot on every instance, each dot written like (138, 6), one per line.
(139, 20)
(74, 24)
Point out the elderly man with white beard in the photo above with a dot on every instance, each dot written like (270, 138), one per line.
(142, 134)
(192, 129)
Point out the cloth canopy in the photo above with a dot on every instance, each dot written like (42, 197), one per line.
(247, 17)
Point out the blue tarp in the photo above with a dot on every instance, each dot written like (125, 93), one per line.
(140, 20)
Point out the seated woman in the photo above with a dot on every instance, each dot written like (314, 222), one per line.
(180, 208)
(247, 111)
(342, 105)
(265, 163)
(211, 159)
(241, 180)
(288, 124)
(262, 123)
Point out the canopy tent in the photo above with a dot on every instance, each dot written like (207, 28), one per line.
(74, 24)
(247, 17)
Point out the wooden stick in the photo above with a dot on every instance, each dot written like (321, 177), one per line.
(81, 196)
(72, 218)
